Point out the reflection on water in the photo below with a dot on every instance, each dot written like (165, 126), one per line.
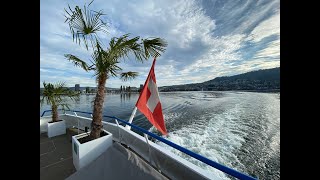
(238, 129)
(125, 96)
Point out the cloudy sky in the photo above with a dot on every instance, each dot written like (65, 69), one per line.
(206, 39)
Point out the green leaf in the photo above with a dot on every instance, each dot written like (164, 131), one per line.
(128, 75)
(85, 24)
(154, 47)
(77, 62)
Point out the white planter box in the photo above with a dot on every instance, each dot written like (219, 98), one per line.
(44, 124)
(56, 128)
(84, 154)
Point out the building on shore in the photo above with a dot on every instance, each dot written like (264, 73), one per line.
(77, 87)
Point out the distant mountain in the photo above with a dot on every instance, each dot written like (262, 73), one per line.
(260, 80)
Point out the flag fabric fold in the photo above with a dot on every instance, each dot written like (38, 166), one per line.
(149, 102)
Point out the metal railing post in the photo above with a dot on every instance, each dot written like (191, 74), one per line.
(149, 149)
(78, 120)
(119, 135)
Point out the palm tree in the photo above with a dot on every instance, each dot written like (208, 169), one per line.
(105, 62)
(54, 96)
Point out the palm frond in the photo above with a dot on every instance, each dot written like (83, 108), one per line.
(77, 62)
(113, 70)
(42, 100)
(122, 46)
(85, 24)
(64, 107)
(154, 47)
(128, 75)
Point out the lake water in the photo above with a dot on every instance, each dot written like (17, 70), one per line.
(240, 130)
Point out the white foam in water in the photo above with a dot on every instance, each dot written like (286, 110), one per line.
(217, 140)
(223, 128)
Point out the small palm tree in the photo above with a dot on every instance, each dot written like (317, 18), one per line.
(54, 95)
(105, 62)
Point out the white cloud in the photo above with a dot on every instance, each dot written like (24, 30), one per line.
(273, 50)
(266, 28)
(195, 53)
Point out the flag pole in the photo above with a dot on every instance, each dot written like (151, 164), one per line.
(131, 117)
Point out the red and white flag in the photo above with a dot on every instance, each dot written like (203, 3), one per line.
(149, 102)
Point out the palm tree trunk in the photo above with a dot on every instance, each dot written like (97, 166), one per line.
(96, 124)
(54, 113)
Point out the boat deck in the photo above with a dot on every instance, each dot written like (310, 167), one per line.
(56, 156)
(56, 162)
